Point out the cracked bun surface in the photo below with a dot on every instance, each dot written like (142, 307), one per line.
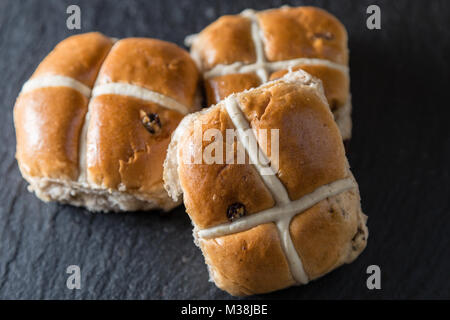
(261, 232)
(239, 52)
(94, 121)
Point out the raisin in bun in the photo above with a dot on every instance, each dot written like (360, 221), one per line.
(238, 52)
(261, 232)
(94, 121)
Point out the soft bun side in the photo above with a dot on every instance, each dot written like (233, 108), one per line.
(170, 175)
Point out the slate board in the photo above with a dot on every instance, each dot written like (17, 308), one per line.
(399, 154)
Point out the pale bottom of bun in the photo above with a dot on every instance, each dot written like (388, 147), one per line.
(343, 118)
(98, 199)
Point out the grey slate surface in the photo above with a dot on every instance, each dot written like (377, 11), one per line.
(400, 155)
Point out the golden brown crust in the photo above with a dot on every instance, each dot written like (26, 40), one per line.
(78, 57)
(323, 235)
(306, 32)
(212, 188)
(284, 34)
(310, 145)
(122, 155)
(311, 155)
(48, 122)
(248, 262)
(155, 65)
(288, 33)
(217, 88)
(121, 151)
(225, 41)
(336, 83)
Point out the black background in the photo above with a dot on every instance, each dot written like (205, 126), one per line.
(399, 154)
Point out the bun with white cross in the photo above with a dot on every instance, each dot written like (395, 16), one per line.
(94, 121)
(262, 232)
(238, 52)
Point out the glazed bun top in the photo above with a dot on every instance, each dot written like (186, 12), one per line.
(277, 34)
(153, 64)
(78, 57)
(310, 151)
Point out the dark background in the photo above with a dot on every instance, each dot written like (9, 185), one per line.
(399, 154)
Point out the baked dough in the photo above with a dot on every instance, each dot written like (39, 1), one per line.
(94, 121)
(292, 226)
(242, 51)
